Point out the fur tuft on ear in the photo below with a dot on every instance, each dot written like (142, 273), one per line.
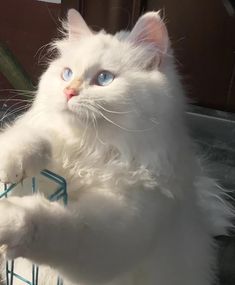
(76, 25)
(150, 29)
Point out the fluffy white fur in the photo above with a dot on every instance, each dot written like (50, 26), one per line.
(140, 209)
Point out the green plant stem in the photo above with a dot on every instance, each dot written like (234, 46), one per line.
(13, 71)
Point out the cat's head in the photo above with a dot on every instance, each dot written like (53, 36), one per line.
(121, 83)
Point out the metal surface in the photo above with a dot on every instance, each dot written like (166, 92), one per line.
(59, 194)
(214, 133)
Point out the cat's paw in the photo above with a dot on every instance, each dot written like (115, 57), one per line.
(11, 168)
(23, 159)
(14, 229)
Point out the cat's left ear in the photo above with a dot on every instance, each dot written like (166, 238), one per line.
(77, 27)
(150, 29)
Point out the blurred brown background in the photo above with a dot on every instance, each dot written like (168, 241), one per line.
(202, 34)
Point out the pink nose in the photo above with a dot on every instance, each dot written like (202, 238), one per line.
(70, 92)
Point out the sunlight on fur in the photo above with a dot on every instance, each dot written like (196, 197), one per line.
(108, 116)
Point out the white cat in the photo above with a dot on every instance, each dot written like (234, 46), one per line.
(109, 117)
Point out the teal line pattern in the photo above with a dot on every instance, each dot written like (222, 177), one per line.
(59, 194)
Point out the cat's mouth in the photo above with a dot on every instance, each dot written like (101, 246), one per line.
(93, 113)
(83, 109)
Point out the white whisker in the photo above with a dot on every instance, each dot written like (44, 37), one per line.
(93, 108)
(96, 129)
(114, 112)
(14, 112)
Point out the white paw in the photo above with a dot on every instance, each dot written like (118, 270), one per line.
(13, 229)
(22, 160)
(11, 168)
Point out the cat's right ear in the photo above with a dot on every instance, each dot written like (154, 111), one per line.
(151, 30)
(76, 25)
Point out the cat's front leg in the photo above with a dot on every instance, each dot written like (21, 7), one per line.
(14, 228)
(20, 219)
(101, 237)
(75, 239)
(23, 152)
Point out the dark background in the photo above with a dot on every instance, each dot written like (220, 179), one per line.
(202, 34)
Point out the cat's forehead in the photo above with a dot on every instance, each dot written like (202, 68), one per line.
(100, 48)
(88, 45)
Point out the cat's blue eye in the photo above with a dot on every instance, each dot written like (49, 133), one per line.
(104, 78)
(67, 74)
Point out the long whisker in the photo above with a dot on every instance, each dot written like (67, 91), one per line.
(114, 112)
(96, 129)
(25, 93)
(44, 56)
(83, 138)
(117, 125)
(41, 49)
(14, 112)
(12, 107)
(17, 100)
(93, 108)
(15, 97)
(17, 90)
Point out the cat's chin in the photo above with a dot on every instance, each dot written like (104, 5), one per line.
(78, 116)
(83, 112)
